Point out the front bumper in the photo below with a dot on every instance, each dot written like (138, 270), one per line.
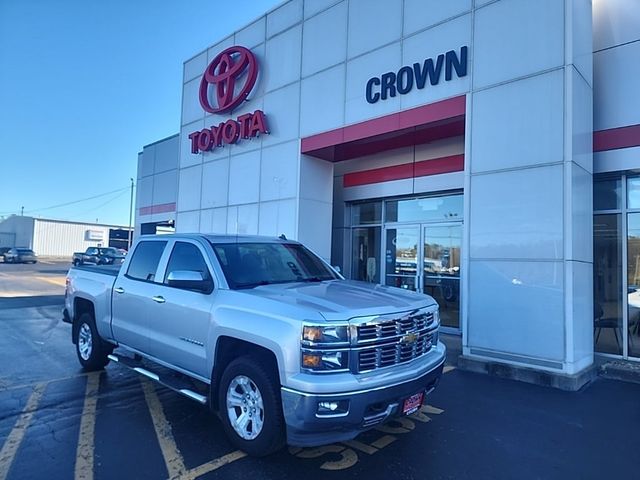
(367, 409)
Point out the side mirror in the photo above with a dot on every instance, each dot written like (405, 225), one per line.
(189, 280)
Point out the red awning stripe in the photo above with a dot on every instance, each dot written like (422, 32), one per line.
(435, 166)
(614, 138)
(424, 115)
(161, 208)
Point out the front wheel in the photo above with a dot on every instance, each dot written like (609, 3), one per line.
(250, 407)
(92, 351)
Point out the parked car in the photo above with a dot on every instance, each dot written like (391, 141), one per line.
(20, 255)
(3, 250)
(98, 256)
(264, 332)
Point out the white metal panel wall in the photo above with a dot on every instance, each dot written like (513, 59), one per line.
(21, 228)
(61, 239)
(510, 140)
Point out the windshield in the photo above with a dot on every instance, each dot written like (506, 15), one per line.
(24, 250)
(248, 265)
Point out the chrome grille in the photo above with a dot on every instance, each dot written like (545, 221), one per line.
(380, 356)
(386, 329)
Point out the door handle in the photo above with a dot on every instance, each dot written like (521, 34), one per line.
(158, 298)
(118, 290)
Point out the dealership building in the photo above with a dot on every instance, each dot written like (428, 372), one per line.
(483, 152)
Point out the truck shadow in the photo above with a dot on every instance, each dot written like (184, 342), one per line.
(31, 301)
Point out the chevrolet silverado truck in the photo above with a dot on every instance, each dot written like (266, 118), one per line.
(265, 332)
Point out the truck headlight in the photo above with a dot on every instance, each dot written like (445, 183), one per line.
(325, 348)
(325, 334)
(318, 361)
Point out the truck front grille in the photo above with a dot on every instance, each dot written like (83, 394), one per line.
(387, 329)
(395, 353)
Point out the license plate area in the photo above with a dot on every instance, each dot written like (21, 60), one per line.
(412, 404)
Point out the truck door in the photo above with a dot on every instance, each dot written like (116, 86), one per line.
(181, 318)
(132, 302)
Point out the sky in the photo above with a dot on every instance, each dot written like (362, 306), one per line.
(84, 85)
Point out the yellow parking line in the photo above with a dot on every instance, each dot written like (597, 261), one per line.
(212, 465)
(45, 382)
(172, 456)
(86, 438)
(11, 445)
(384, 441)
(58, 281)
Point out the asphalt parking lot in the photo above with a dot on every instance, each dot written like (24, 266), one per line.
(59, 422)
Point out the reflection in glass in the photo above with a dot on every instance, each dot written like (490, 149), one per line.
(633, 283)
(401, 257)
(607, 194)
(366, 213)
(607, 283)
(442, 270)
(365, 257)
(633, 192)
(424, 209)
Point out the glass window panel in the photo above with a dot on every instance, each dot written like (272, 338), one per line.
(441, 270)
(145, 261)
(607, 283)
(366, 213)
(186, 256)
(401, 252)
(607, 194)
(633, 283)
(432, 209)
(365, 257)
(633, 192)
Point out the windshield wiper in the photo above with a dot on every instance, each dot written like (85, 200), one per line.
(252, 284)
(314, 279)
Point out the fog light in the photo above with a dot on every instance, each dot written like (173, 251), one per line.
(334, 408)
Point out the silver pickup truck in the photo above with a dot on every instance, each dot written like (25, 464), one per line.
(263, 331)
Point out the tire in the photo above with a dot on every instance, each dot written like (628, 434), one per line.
(246, 375)
(91, 350)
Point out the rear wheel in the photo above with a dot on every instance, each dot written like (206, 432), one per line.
(250, 407)
(92, 351)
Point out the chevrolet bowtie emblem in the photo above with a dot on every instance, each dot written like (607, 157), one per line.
(409, 338)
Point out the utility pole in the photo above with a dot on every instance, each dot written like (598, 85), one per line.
(130, 216)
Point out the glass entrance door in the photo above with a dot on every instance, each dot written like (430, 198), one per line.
(441, 269)
(401, 256)
(426, 258)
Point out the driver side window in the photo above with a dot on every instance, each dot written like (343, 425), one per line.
(186, 256)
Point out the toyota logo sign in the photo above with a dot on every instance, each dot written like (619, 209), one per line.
(231, 75)
(224, 71)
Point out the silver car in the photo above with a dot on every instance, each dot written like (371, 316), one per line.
(20, 255)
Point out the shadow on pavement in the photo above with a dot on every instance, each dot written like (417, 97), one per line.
(33, 301)
(57, 271)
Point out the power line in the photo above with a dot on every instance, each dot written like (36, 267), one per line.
(72, 202)
(100, 206)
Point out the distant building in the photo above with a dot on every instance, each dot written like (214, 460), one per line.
(59, 238)
(157, 187)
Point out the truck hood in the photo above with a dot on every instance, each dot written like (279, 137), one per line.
(343, 299)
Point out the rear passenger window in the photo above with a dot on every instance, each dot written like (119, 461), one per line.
(186, 256)
(144, 262)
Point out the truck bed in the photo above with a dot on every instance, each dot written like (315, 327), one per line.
(104, 269)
